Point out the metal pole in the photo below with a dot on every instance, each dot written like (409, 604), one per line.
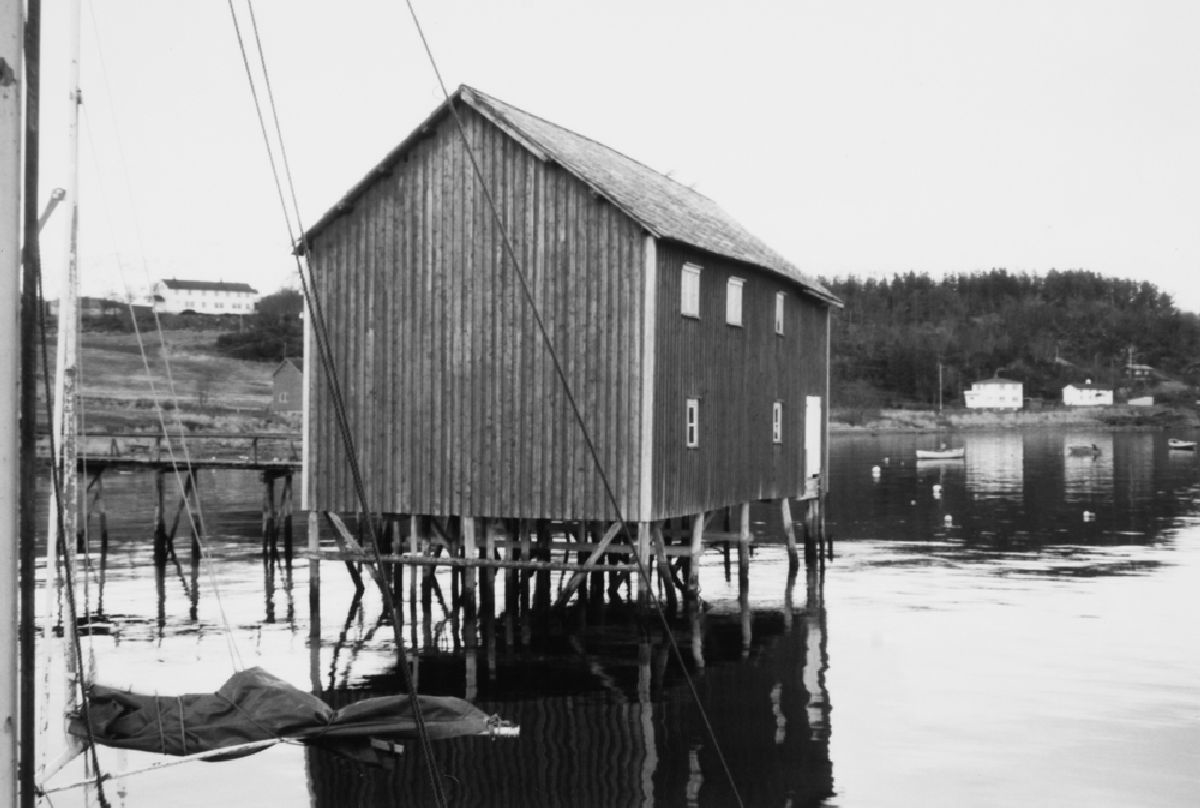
(64, 419)
(29, 312)
(12, 25)
(939, 386)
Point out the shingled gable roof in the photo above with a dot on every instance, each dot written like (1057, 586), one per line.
(664, 207)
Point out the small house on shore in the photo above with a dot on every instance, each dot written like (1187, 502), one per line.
(696, 356)
(995, 393)
(287, 387)
(1087, 395)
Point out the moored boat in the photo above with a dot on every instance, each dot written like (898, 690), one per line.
(942, 454)
(1183, 445)
(1083, 450)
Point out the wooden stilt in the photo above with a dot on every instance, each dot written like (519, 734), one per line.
(744, 577)
(314, 603)
(470, 550)
(160, 550)
(194, 531)
(596, 532)
(512, 584)
(414, 528)
(269, 550)
(541, 598)
(810, 532)
(643, 551)
(659, 540)
(697, 549)
(286, 515)
(789, 532)
(102, 516)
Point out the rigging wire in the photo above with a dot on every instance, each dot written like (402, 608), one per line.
(196, 517)
(316, 314)
(67, 571)
(548, 342)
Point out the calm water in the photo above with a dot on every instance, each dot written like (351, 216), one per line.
(1016, 628)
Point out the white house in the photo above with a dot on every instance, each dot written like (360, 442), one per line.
(995, 393)
(174, 296)
(1087, 395)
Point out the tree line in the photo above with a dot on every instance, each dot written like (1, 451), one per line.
(894, 335)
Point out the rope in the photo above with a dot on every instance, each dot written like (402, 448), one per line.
(548, 342)
(316, 315)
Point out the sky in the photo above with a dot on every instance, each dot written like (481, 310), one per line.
(856, 138)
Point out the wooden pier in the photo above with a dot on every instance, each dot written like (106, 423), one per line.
(650, 559)
(164, 456)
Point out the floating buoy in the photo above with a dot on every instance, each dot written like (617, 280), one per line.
(914, 502)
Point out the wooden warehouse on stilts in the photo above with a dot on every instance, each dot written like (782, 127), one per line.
(491, 255)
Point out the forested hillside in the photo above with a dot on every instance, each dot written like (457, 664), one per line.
(1045, 330)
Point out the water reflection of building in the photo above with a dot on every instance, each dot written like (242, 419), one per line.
(995, 465)
(609, 721)
(1087, 474)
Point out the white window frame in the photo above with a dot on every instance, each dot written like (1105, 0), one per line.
(689, 291)
(734, 301)
(692, 423)
(780, 303)
(777, 422)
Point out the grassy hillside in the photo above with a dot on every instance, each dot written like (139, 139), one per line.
(202, 388)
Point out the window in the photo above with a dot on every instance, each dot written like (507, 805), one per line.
(779, 298)
(693, 422)
(283, 396)
(689, 300)
(777, 422)
(733, 301)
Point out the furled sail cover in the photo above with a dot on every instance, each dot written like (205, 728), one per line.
(253, 705)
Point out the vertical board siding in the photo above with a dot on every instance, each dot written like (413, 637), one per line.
(737, 373)
(453, 400)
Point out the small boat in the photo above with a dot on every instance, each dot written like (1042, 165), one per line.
(941, 454)
(1183, 445)
(1083, 450)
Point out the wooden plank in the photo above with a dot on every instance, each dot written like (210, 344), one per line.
(430, 562)
(648, 370)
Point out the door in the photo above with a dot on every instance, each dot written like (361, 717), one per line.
(813, 436)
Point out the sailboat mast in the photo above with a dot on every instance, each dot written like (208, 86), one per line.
(59, 658)
(12, 25)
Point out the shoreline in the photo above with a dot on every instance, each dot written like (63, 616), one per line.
(1108, 418)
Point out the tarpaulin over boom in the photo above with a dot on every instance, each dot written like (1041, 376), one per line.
(252, 706)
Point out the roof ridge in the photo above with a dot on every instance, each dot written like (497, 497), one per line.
(491, 98)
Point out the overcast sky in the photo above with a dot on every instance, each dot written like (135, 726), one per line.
(854, 137)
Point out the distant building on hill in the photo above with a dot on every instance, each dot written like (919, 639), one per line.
(287, 387)
(90, 306)
(1087, 395)
(995, 393)
(173, 296)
